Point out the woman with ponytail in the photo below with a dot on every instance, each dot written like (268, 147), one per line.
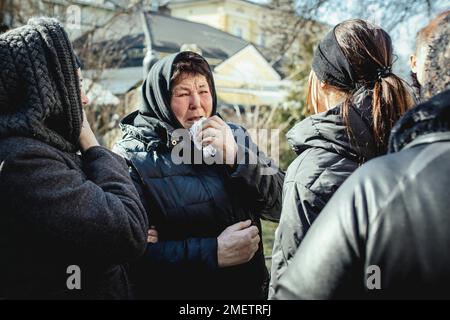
(356, 99)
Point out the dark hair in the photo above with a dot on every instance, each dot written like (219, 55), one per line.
(3, 28)
(416, 86)
(369, 52)
(191, 63)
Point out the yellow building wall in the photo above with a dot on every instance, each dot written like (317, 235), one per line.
(245, 68)
(202, 13)
(245, 15)
(247, 79)
(225, 15)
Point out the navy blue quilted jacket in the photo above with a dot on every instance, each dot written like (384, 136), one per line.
(190, 205)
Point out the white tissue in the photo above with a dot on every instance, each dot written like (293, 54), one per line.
(209, 150)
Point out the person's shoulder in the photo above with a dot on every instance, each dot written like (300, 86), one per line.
(375, 183)
(128, 146)
(23, 158)
(314, 163)
(22, 146)
(389, 165)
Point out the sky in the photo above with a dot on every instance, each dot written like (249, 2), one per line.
(403, 35)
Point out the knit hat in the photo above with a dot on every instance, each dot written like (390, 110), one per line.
(438, 60)
(39, 87)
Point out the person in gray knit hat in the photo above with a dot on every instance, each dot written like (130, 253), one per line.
(69, 221)
(428, 73)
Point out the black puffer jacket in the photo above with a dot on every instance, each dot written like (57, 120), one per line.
(326, 158)
(390, 218)
(191, 204)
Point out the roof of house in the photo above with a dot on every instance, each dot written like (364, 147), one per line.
(120, 43)
(182, 2)
(168, 34)
(124, 41)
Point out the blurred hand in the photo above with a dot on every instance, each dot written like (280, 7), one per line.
(237, 244)
(87, 137)
(152, 235)
(217, 133)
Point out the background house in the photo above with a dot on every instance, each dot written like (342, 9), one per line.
(127, 50)
(238, 17)
(119, 40)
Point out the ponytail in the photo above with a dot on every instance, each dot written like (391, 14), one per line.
(391, 98)
(389, 101)
(368, 50)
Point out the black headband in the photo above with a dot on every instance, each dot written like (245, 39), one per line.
(330, 65)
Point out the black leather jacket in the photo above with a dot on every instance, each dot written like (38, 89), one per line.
(386, 231)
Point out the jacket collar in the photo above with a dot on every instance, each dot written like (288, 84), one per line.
(328, 131)
(427, 121)
(429, 138)
(152, 132)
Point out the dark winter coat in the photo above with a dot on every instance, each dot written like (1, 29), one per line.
(59, 209)
(326, 157)
(191, 204)
(385, 233)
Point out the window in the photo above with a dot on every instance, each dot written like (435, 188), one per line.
(262, 39)
(237, 31)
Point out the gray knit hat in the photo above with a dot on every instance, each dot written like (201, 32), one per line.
(437, 61)
(39, 86)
